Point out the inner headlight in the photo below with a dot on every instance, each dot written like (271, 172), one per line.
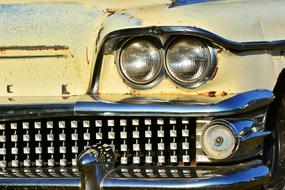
(140, 61)
(218, 140)
(188, 61)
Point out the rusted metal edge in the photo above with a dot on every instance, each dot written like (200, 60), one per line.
(33, 56)
(30, 52)
(42, 47)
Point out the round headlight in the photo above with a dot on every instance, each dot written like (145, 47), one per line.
(140, 61)
(188, 61)
(218, 141)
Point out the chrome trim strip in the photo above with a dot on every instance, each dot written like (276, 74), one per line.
(199, 32)
(37, 177)
(176, 3)
(43, 47)
(37, 183)
(33, 52)
(239, 103)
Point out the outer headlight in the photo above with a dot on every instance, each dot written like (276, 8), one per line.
(140, 62)
(218, 140)
(189, 62)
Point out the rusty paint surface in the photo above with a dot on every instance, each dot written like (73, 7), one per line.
(80, 27)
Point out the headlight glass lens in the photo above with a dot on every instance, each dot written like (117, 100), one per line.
(140, 61)
(218, 142)
(188, 60)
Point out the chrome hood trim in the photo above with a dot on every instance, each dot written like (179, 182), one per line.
(176, 3)
(236, 104)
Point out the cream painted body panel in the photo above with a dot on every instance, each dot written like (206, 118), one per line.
(81, 26)
(236, 73)
(75, 25)
(239, 21)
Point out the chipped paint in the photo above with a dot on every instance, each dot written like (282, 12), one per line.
(212, 94)
(110, 12)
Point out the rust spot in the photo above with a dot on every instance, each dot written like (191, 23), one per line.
(110, 12)
(224, 93)
(65, 97)
(11, 99)
(133, 92)
(3, 51)
(214, 94)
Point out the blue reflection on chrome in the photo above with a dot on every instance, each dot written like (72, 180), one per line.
(176, 3)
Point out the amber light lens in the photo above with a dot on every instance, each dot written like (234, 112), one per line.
(140, 61)
(188, 60)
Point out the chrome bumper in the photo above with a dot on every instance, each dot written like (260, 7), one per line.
(98, 175)
(96, 168)
(242, 176)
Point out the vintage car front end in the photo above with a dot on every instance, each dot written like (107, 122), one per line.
(137, 95)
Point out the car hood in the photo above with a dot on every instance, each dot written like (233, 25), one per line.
(49, 47)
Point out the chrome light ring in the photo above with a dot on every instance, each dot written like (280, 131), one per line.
(230, 127)
(207, 75)
(158, 75)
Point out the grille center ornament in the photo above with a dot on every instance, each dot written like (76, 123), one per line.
(94, 163)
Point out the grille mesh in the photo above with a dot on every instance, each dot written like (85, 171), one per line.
(58, 141)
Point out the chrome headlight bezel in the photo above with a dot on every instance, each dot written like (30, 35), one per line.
(132, 83)
(208, 74)
(162, 44)
(227, 125)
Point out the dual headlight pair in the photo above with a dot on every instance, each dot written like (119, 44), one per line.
(187, 60)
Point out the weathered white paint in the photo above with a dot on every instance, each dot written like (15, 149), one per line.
(76, 25)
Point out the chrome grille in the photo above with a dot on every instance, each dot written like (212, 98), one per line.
(136, 141)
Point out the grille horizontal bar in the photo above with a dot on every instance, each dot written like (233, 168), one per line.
(58, 141)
